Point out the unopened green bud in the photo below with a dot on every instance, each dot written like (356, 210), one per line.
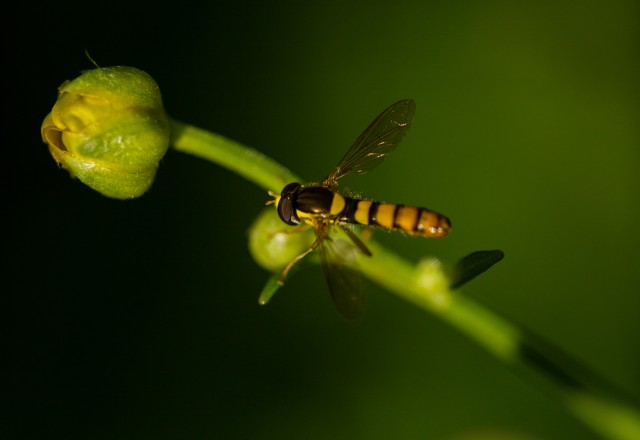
(273, 244)
(108, 128)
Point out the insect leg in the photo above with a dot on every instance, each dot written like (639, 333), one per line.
(298, 258)
(297, 229)
(363, 247)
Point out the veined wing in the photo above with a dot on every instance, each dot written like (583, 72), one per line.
(380, 138)
(343, 279)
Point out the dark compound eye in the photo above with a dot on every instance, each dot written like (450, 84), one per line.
(286, 206)
(285, 211)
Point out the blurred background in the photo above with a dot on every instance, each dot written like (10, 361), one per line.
(139, 319)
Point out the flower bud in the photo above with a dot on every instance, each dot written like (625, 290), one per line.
(108, 128)
(273, 244)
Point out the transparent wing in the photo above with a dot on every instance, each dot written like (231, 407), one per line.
(343, 280)
(380, 138)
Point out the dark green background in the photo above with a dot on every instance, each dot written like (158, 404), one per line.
(139, 319)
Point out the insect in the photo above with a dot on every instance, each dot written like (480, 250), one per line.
(323, 208)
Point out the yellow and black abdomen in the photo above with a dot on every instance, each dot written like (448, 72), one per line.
(410, 219)
(317, 201)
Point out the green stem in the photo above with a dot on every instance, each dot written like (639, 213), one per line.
(590, 399)
(244, 161)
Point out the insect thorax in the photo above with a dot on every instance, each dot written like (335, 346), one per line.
(316, 201)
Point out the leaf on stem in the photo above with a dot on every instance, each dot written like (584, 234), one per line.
(269, 289)
(473, 265)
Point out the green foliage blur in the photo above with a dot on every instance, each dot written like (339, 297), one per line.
(139, 319)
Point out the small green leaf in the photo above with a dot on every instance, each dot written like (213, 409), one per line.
(473, 265)
(274, 281)
(269, 289)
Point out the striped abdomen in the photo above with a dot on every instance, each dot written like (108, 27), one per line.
(409, 219)
(320, 201)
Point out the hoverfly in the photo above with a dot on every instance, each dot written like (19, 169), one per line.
(323, 208)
